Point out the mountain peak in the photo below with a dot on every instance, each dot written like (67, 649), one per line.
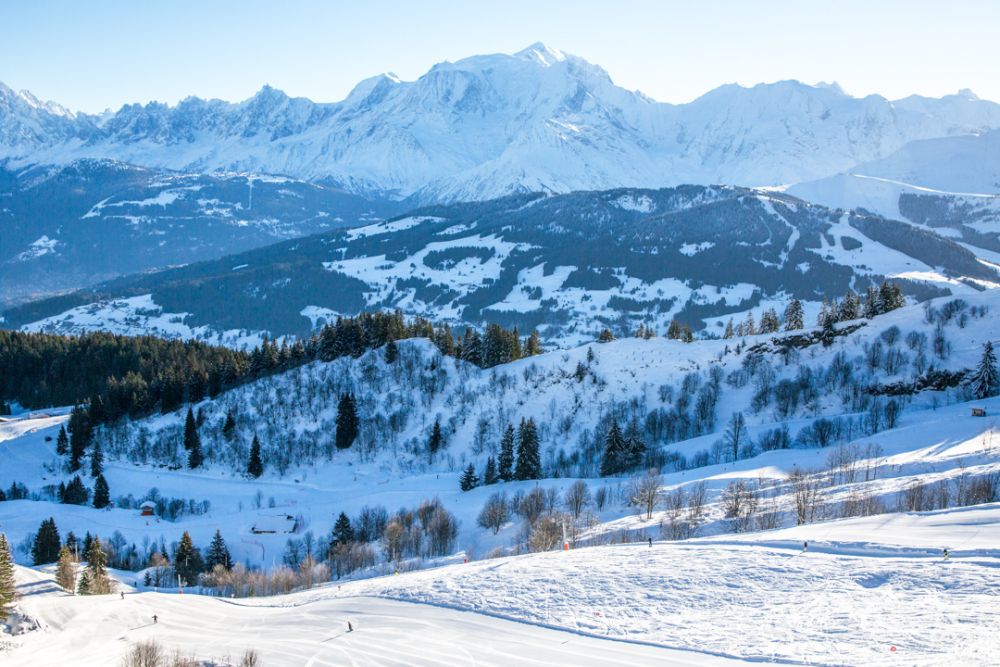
(541, 54)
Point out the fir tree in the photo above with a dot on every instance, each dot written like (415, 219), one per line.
(80, 434)
(8, 589)
(613, 462)
(347, 421)
(187, 561)
(96, 460)
(66, 570)
(74, 493)
(102, 494)
(255, 467)
(506, 458)
(872, 305)
(195, 456)
(794, 316)
(606, 336)
(729, 333)
(769, 322)
(62, 442)
(534, 344)
(391, 352)
(229, 427)
(529, 464)
(470, 479)
(436, 439)
(83, 586)
(98, 582)
(850, 307)
(490, 472)
(218, 553)
(191, 438)
(986, 381)
(45, 548)
(343, 533)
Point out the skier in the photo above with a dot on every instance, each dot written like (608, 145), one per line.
(154, 619)
(350, 628)
(945, 554)
(651, 543)
(805, 546)
(123, 594)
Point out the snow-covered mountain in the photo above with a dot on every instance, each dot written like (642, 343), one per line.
(569, 265)
(487, 126)
(965, 167)
(67, 227)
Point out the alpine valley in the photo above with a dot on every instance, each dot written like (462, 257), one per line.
(505, 365)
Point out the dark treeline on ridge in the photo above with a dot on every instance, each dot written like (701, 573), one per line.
(117, 376)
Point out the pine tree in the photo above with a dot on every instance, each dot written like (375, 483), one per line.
(8, 589)
(83, 586)
(490, 472)
(850, 307)
(391, 352)
(187, 561)
(986, 381)
(470, 479)
(102, 494)
(97, 579)
(872, 305)
(96, 460)
(45, 548)
(66, 570)
(534, 344)
(605, 336)
(347, 421)
(80, 434)
(529, 464)
(769, 322)
(613, 462)
(255, 467)
(794, 316)
(506, 458)
(191, 438)
(195, 456)
(218, 553)
(229, 427)
(729, 333)
(436, 438)
(343, 533)
(74, 493)
(62, 442)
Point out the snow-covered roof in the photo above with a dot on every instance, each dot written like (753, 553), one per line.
(148, 503)
(280, 523)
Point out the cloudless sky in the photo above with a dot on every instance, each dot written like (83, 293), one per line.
(93, 55)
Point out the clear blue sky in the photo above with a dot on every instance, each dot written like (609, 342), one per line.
(93, 55)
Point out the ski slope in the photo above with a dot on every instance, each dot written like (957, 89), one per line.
(848, 599)
(98, 631)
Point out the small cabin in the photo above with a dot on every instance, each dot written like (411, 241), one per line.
(978, 412)
(148, 508)
(273, 525)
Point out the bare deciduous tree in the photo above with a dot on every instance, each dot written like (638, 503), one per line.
(645, 491)
(577, 498)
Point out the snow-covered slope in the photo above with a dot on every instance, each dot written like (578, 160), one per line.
(73, 226)
(486, 126)
(872, 587)
(965, 166)
(568, 265)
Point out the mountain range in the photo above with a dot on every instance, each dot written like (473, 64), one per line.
(488, 126)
